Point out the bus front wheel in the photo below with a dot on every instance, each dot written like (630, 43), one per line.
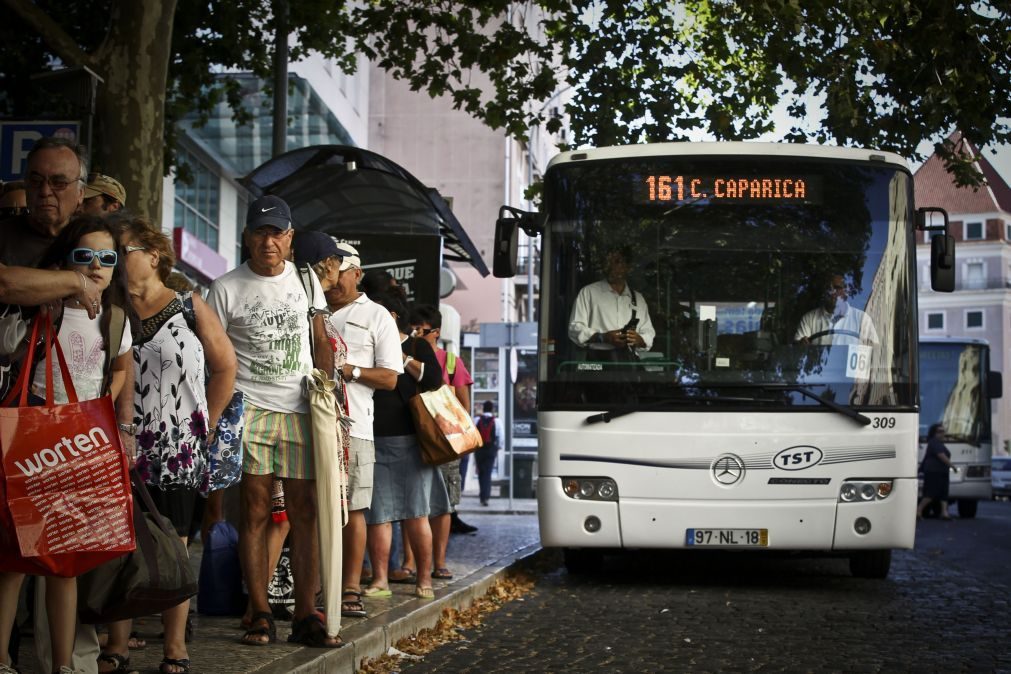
(871, 563)
(581, 561)
(967, 508)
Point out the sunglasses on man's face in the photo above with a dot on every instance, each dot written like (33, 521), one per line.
(106, 258)
(421, 332)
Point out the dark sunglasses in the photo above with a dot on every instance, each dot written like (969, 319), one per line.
(106, 258)
(421, 332)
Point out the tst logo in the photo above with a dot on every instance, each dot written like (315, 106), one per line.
(797, 458)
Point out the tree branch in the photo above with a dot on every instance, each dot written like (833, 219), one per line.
(52, 33)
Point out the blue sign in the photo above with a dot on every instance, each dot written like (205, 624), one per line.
(17, 139)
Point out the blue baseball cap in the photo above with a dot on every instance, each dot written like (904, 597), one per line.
(311, 246)
(268, 211)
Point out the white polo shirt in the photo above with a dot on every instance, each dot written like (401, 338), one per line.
(373, 341)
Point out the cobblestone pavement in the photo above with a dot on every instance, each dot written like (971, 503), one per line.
(942, 609)
(216, 649)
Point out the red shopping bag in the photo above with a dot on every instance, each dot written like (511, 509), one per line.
(65, 503)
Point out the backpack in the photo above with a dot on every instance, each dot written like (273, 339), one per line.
(486, 427)
(220, 587)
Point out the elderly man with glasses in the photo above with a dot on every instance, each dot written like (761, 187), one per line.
(54, 184)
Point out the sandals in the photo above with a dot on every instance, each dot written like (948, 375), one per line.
(309, 631)
(442, 573)
(136, 642)
(377, 592)
(404, 575)
(424, 593)
(354, 607)
(121, 662)
(262, 625)
(182, 663)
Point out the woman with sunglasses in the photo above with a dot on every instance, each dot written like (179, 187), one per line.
(86, 245)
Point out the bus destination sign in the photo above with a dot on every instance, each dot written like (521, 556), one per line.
(672, 189)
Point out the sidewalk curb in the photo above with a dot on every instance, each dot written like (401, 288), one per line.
(374, 637)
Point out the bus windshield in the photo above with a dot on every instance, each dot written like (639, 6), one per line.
(952, 391)
(744, 279)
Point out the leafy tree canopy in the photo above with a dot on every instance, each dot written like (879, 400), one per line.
(887, 73)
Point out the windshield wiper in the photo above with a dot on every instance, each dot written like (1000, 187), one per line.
(614, 414)
(831, 404)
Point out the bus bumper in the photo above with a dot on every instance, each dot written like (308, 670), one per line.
(802, 524)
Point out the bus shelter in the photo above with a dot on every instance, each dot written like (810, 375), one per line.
(367, 200)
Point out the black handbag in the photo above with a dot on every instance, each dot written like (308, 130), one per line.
(154, 577)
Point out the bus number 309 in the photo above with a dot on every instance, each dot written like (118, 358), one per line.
(883, 422)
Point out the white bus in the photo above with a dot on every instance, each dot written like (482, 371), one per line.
(727, 431)
(956, 389)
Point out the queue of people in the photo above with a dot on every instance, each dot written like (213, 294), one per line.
(178, 364)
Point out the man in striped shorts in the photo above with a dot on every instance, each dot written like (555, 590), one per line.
(265, 310)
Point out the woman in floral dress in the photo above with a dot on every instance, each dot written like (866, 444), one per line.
(175, 403)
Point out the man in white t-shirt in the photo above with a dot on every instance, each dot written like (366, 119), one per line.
(609, 316)
(836, 322)
(374, 362)
(265, 310)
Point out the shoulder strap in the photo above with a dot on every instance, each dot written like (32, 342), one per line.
(310, 293)
(112, 336)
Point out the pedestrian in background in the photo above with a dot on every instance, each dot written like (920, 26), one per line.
(486, 454)
(936, 466)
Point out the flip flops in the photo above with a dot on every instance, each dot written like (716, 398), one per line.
(377, 592)
(404, 575)
(442, 573)
(424, 593)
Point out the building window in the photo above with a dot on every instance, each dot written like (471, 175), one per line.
(197, 201)
(1007, 230)
(974, 319)
(240, 224)
(935, 321)
(973, 231)
(975, 276)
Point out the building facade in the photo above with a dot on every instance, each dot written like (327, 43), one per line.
(980, 306)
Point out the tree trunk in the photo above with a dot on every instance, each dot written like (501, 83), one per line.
(130, 111)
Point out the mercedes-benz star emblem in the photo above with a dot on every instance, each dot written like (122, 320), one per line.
(728, 469)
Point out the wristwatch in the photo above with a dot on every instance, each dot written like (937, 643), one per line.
(130, 429)
(355, 373)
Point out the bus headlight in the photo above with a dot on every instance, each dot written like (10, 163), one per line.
(853, 491)
(590, 488)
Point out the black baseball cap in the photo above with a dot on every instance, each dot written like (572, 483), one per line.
(268, 211)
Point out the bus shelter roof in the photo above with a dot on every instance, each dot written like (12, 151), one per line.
(340, 189)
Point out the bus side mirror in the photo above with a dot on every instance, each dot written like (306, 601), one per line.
(942, 249)
(942, 263)
(506, 237)
(507, 227)
(995, 385)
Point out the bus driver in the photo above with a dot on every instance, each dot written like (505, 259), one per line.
(836, 322)
(609, 316)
